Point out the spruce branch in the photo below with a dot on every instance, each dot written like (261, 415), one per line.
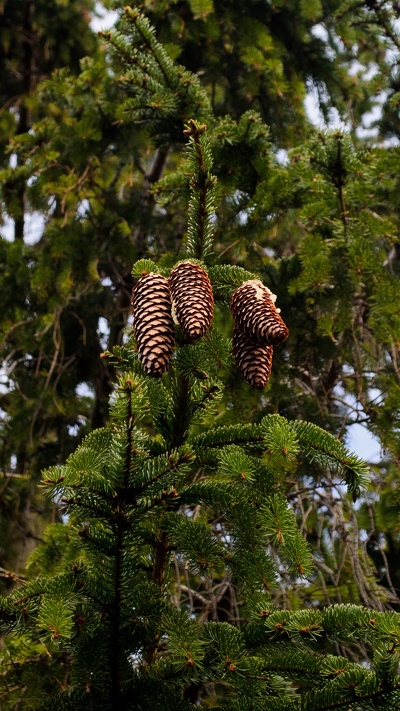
(202, 192)
(320, 444)
(162, 471)
(181, 411)
(163, 91)
(339, 178)
(148, 36)
(119, 505)
(227, 278)
(229, 434)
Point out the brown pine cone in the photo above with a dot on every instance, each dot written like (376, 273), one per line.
(253, 308)
(254, 362)
(153, 323)
(192, 299)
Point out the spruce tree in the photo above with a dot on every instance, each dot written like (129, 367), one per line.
(320, 231)
(158, 592)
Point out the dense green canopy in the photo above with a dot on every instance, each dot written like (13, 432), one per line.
(94, 148)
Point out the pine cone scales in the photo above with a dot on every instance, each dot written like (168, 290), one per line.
(192, 299)
(254, 362)
(253, 308)
(154, 326)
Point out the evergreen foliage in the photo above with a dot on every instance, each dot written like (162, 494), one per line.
(209, 546)
(202, 197)
(161, 510)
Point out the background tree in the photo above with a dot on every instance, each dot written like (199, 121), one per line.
(35, 39)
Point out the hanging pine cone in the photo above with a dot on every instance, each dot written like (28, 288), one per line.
(253, 308)
(192, 299)
(254, 362)
(154, 326)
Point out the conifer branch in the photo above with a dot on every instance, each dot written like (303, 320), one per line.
(226, 278)
(182, 417)
(354, 698)
(229, 434)
(339, 179)
(158, 468)
(384, 19)
(202, 192)
(316, 442)
(147, 34)
(161, 549)
(118, 508)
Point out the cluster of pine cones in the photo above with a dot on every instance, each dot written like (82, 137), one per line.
(258, 327)
(186, 298)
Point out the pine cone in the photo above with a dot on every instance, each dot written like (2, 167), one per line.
(253, 308)
(254, 362)
(154, 326)
(192, 299)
